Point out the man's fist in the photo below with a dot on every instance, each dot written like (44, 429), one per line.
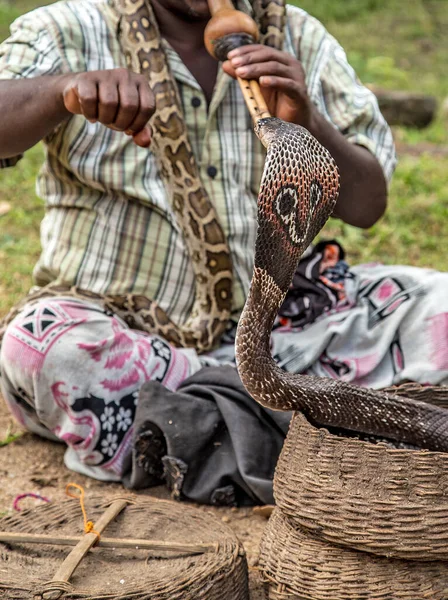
(117, 98)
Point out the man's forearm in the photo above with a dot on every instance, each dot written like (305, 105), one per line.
(363, 194)
(29, 110)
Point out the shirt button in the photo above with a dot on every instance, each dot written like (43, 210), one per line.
(196, 102)
(212, 171)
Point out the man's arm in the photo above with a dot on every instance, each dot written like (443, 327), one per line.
(363, 193)
(31, 108)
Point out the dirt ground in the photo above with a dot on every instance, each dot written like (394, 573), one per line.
(32, 464)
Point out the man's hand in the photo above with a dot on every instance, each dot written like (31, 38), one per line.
(117, 98)
(363, 194)
(281, 78)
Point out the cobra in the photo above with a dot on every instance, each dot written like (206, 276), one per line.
(297, 195)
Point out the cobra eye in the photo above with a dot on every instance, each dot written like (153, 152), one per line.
(315, 193)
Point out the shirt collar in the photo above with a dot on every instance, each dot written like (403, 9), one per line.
(178, 68)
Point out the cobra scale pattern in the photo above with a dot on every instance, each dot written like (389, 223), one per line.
(297, 195)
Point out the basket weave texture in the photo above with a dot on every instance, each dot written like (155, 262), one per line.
(107, 573)
(298, 566)
(356, 520)
(366, 496)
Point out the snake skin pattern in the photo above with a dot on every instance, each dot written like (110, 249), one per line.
(195, 214)
(298, 192)
(270, 16)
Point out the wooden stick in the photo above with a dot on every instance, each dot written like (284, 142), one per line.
(254, 99)
(227, 20)
(259, 99)
(88, 540)
(31, 538)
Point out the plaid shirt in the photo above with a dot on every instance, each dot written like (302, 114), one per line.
(108, 224)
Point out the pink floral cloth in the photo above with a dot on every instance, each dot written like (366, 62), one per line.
(72, 372)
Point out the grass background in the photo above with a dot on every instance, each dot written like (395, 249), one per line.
(391, 43)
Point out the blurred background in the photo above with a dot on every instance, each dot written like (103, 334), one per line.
(393, 45)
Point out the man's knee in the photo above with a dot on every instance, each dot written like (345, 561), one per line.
(41, 348)
(44, 335)
(30, 335)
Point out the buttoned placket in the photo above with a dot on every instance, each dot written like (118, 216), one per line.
(200, 117)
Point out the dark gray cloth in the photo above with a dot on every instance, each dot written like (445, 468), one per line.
(221, 446)
(315, 288)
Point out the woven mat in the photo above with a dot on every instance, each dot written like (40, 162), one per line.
(126, 573)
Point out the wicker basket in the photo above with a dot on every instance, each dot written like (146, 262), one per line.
(109, 573)
(364, 496)
(297, 566)
(367, 496)
(437, 395)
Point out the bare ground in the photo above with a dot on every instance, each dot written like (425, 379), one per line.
(32, 464)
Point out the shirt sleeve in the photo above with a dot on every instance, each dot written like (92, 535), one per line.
(354, 110)
(337, 92)
(32, 50)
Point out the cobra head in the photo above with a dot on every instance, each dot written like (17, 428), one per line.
(298, 192)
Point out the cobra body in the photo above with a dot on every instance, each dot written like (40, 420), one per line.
(298, 192)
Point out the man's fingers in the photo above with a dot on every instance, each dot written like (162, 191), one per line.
(129, 104)
(255, 71)
(71, 101)
(143, 138)
(87, 91)
(108, 102)
(118, 99)
(288, 86)
(227, 68)
(256, 53)
(146, 108)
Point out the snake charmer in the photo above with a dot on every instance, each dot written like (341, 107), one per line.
(150, 181)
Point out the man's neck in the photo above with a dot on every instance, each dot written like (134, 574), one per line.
(185, 34)
(179, 28)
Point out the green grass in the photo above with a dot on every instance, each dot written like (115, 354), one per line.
(415, 226)
(10, 10)
(392, 44)
(19, 228)
(10, 438)
(395, 45)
